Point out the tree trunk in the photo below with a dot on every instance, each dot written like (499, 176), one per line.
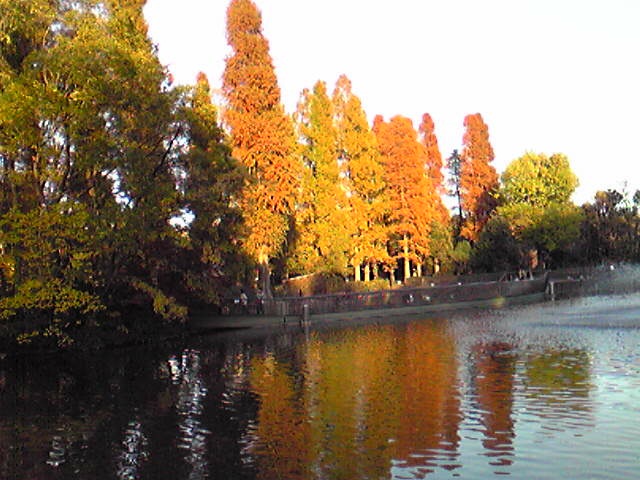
(419, 270)
(407, 265)
(265, 276)
(367, 272)
(356, 273)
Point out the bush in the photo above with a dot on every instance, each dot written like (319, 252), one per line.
(46, 311)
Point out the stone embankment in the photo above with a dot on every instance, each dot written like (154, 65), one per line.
(464, 293)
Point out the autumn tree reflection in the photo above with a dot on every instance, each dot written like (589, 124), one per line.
(495, 365)
(367, 401)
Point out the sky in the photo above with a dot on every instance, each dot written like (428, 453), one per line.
(547, 75)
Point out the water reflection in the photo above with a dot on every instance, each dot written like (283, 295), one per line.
(495, 365)
(471, 397)
(133, 452)
(191, 396)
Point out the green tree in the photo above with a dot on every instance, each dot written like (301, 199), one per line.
(539, 180)
(87, 136)
(454, 167)
(611, 228)
(211, 185)
(536, 192)
(497, 250)
(262, 137)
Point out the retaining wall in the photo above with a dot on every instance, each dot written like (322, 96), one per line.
(423, 296)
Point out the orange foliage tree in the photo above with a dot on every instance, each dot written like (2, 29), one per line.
(434, 165)
(262, 136)
(322, 235)
(478, 178)
(359, 155)
(410, 192)
(441, 233)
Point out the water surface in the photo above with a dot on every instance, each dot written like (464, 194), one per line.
(545, 391)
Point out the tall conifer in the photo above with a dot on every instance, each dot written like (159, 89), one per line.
(434, 165)
(261, 136)
(410, 192)
(359, 155)
(323, 242)
(478, 178)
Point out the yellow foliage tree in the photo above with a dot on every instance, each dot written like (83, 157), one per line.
(359, 155)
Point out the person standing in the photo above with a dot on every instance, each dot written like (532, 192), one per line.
(244, 301)
(260, 302)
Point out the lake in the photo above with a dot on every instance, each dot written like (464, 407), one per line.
(539, 391)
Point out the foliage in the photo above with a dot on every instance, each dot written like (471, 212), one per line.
(211, 186)
(91, 152)
(323, 211)
(496, 250)
(434, 164)
(42, 310)
(478, 178)
(538, 180)
(611, 228)
(536, 192)
(461, 256)
(358, 152)
(410, 192)
(261, 136)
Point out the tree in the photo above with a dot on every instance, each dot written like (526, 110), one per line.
(434, 171)
(410, 192)
(496, 250)
(88, 139)
(323, 215)
(611, 228)
(539, 180)
(211, 185)
(536, 191)
(358, 152)
(478, 178)
(454, 166)
(262, 136)
(433, 162)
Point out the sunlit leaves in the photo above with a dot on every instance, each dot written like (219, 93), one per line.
(478, 178)
(261, 134)
(322, 216)
(538, 179)
(410, 191)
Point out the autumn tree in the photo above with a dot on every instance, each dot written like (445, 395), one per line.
(478, 178)
(359, 155)
(440, 224)
(410, 191)
(261, 136)
(433, 162)
(322, 226)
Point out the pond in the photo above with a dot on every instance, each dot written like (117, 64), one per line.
(543, 391)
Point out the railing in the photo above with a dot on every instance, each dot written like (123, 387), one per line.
(431, 295)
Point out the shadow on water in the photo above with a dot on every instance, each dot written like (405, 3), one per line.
(473, 395)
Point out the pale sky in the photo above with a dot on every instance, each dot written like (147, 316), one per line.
(546, 75)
